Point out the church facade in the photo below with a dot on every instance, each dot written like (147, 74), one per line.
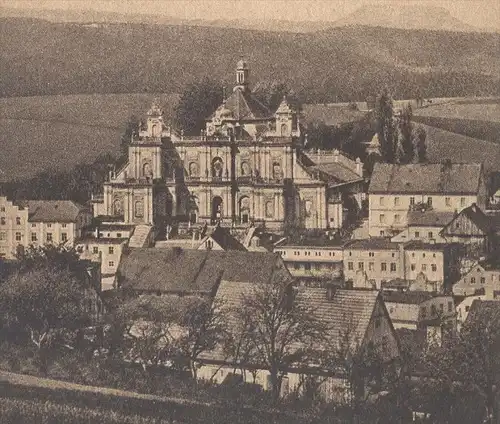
(247, 167)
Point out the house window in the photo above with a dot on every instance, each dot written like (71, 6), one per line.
(462, 201)
(64, 237)
(18, 236)
(33, 225)
(111, 263)
(423, 311)
(95, 250)
(2, 209)
(382, 218)
(412, 267)
(371, 266)
(447, 201)
(382, 201)
(417, 234)
(307, 266)
(434, 267)
(393, 267)
(350, 266)
(441, 308)
(49, 225)
(2, 220)
(49, 237)
(412, 201)
(64, 225)
(296, 266)
(371, 254)
(457, 224)
(433, 310)
(33, 237)
(424, 267)
(119, 235)
(450, 306)
(383, 266)
(3, 235)
(361, 266)
(111, 250)
(473, 280)
(467, 308)
(429, 201)
(431, 234)
(18, 220)
(396, 201)
(483, 280)
(397, 219)
(382, 233)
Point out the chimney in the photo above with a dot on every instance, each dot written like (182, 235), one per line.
(330, 291)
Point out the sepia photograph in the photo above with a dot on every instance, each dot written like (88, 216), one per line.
(249, 211)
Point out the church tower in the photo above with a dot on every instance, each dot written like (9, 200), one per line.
(242, 76)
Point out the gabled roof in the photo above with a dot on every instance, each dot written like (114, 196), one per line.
(432, 178)
(194, 271)
(476, 216)
(375, 243)
(408, 297)
(225, 240)
(429, 218)
(244, 105)
(52, 210)
(338, 172)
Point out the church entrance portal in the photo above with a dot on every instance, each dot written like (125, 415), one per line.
(216, 209)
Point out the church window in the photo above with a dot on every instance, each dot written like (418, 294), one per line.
(139, 209)
(117, 207)
(284, 129)
(217, 166)
(277, 171)
(245, 169)
(308, 207)
(193, 169)
(269, 209)
(146, 170)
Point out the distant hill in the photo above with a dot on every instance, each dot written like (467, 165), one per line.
(393, 16)
(340, 64)
(407, 17)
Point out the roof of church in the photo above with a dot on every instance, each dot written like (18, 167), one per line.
(337, 171)
(432, 178)
(195, 271)
(52, 210)
(244, 105)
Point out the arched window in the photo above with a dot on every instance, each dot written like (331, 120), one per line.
(217, 166)
(216, 208)
(277, 175)
(146, 170)
(284, 129)
(139, 209)
(245, 169)
(269, 209)
(193, 169)
(244, 210)
(308, 208)
(118, 207)
(155, 130)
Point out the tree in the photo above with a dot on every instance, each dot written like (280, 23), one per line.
(384, 118)
(197, 102)
(405, 134)
(131, 128)
(280, 329)
(202, 328)
(420, 137)
(271, 93)
(143, 330)
(46, 296)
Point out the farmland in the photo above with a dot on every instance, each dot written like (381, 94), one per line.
(57, 132)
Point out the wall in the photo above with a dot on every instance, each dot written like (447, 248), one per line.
(372, 261)
(11, 233)
(424, 233)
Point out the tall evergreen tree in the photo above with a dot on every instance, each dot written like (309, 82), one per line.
(384, 118)
(420, 140)
(405, 138)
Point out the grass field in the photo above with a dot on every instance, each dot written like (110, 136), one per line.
(473, 111)
(38, 133)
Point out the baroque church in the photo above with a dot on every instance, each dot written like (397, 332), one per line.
(248, 167)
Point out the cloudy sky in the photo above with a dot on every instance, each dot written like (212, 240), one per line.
(479, 13)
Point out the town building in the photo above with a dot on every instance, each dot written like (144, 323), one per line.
(484, 276)
(314, 261)
(358, 316)
(248, 167)
(424, 225)
(396, 189)
(40, 222)
(416, 265)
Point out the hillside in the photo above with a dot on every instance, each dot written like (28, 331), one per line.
(39, 58)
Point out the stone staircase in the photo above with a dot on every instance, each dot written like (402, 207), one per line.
(141, 236)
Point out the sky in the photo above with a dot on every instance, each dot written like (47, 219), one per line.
(479, 13)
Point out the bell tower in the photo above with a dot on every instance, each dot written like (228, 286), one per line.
(242, 75)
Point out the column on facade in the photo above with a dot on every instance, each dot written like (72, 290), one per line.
(269, 164)
(261, 205)
(158, 162)
(276, 207)
(285, 162)
(137, 166)
(227, 163)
